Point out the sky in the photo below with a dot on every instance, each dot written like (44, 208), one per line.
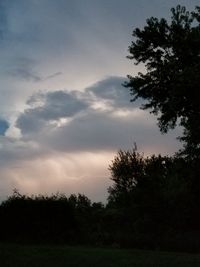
(64, 113)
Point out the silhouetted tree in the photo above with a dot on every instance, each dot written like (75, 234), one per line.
(151, 198)
(126, 170)
(170, 84)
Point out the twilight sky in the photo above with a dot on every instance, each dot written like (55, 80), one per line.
(63, 111)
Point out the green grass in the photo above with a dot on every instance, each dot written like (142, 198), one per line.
(46, 256)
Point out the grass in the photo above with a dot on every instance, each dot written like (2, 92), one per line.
(46, 256)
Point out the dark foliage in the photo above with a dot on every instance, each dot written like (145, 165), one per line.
(170, 85)
(155, 201)
(49, 219)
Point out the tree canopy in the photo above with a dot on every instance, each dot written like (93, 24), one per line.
(170, 84)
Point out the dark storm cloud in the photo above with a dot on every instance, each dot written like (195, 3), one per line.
(52, 106)
(112, 89)
(62, 104)
(93, 129)
(4, 125)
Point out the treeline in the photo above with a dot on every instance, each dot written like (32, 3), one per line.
(50, 219)
(154, 203)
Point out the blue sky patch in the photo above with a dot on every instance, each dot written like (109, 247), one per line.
(4, 125)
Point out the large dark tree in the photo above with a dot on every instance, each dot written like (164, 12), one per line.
(170, 83)
(153, 202)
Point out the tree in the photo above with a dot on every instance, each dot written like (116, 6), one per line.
(170, 84)
(138, 178)
(126, 170)
(152, 197)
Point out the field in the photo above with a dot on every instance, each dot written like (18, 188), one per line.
(46, 256)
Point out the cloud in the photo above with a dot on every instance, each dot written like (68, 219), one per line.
(53, 75)
(4, 125)
(111, 93)
(100, 131)
(112, 90)
(14, 151)
(96, 130)
(23, 68)
(101, 118)
(25, 74)
(53, 107)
